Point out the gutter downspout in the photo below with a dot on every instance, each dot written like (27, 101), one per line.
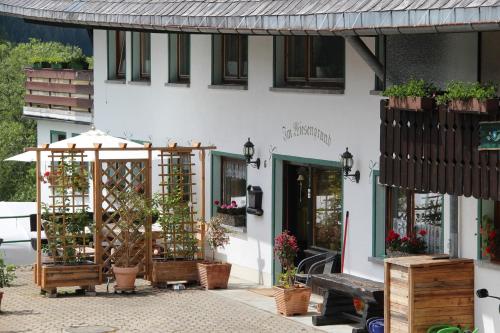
(366, 54)
(453, 226)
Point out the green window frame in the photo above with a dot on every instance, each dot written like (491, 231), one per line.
(380, 211)
(216, 176)
(179, 58)
(57, 136)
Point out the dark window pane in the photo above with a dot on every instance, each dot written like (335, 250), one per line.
(120, 54)
(327, 57)
(145, 55)
(428, 214)
(296, 56)
(231, 56)
(244, 56)
(184, 55)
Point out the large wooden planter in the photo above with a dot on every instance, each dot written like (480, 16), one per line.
(422, 291)
(214, 275)
(292, 301)
(411, 103)
(54, 276)
(174, 270)
(473, 105)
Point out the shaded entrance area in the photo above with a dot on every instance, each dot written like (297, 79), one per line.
(308, 202)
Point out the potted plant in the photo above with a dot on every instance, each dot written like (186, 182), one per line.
(414, 95)
(7, 275)
(133, 209)
(490, 238)
(291, 298)
(232, 214)
(177, 248)
(397, 246)
(215, 274)
(469, 97)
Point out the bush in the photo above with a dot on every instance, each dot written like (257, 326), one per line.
(413, 88)
(456, 90)
(55, 53)
(7, 273)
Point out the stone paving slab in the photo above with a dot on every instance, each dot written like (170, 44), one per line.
(149, 310)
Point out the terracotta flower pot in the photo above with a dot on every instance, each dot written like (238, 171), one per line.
(214, 275)
(292, 301)
(474, 105)
(125, 277)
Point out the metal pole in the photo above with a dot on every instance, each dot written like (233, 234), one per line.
(453, 226)
(367, 55)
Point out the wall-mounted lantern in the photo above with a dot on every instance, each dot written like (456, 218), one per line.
(347, 163)
(248, 151)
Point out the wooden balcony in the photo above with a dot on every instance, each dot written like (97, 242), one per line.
(59, 94)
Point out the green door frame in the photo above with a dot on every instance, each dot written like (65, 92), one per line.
(302, 160)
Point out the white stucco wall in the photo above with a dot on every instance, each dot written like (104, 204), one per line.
(227, 117)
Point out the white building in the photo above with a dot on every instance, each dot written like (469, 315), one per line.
(301, 100)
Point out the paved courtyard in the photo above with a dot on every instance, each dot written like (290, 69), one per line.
(149, 310)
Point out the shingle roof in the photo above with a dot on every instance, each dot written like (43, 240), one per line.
(364, 17)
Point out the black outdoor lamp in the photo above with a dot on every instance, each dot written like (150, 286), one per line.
(483, 293)
(248, 151)
(347, 163)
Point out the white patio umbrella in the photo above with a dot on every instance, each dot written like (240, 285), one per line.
(87, 140)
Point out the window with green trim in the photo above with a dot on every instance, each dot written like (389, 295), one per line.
(141, 56)
(57, 136)
(116, 55)
(406, 213)
(489, 231)
(179, 58)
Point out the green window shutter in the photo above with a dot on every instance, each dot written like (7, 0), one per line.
(216, 181)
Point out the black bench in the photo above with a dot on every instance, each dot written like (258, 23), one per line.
(340, 293)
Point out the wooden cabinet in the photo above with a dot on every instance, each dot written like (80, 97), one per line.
(422, 291)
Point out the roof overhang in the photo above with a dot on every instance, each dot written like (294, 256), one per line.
(266, 17)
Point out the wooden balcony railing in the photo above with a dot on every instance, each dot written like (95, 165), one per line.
(59, 89)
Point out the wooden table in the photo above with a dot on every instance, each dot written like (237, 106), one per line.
(340, 293)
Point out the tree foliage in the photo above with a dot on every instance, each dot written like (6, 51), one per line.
(17, 179)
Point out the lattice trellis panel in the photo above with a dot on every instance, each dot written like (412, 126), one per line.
(180, 236)
(66, 220)
(117, 177)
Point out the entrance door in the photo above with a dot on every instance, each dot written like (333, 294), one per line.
(313, 207)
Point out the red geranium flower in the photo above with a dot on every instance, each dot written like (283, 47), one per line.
(422, 232)
(216, 202)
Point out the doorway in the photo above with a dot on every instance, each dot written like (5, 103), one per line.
(308, 201)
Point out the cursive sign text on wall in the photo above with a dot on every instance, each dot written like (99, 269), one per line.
(300, 129)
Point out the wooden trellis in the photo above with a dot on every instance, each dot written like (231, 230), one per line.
(84, 247)
(65, 218)
(116, 177)
(181, 234)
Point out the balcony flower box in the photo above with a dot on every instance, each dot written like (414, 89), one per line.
(473, 105)
(411, 103)
(234, 220)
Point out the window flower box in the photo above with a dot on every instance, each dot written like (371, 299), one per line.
(473, 105)
(411, 103)
(233, 220)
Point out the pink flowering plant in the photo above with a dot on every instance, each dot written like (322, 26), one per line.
(229, 209)
(285, 249)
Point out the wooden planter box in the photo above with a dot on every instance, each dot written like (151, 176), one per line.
(214, 275)
(473, 105)
(54, 276)
(411, 103)
(234, 220)
(174, 270)
(421, 292)
(292, 301)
